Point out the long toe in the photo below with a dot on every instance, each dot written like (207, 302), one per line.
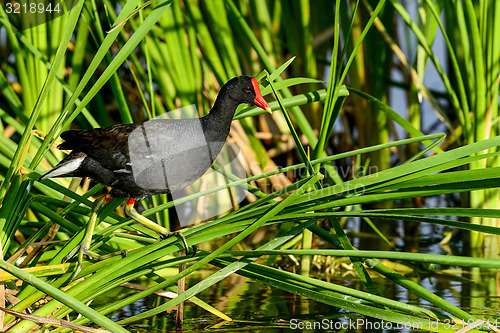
(195, 248)
(71, 254)
(184, 241)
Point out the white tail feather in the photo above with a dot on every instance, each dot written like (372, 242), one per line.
(64, 169)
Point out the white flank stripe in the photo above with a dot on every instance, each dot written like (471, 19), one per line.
(121, 171)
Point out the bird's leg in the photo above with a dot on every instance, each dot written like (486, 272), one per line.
(84, 247)
(130, 211)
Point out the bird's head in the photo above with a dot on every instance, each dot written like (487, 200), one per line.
(245, 89)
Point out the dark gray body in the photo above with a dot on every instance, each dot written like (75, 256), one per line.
(153, 157)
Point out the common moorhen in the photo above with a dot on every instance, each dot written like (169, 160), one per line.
(156, 156)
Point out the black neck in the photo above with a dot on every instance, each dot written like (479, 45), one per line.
(221, 114)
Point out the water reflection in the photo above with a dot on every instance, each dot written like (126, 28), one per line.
(256, 307)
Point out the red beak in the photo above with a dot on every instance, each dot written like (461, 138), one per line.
(259, 100)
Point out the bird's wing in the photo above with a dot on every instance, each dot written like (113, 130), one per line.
(159, 139)
(168, 154)
(108, 146)
(140, 143)
(114, 137)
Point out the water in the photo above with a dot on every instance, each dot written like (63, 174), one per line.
(257, 307)
(254, 306)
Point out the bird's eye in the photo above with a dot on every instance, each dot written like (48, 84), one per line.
(248, 89)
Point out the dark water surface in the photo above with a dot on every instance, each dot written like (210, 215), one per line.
(255, 307)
